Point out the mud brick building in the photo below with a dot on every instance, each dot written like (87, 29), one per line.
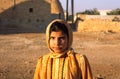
(21, 16)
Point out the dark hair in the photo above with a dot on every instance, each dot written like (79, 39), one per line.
(56, 26)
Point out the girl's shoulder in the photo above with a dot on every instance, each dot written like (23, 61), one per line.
(80, 57)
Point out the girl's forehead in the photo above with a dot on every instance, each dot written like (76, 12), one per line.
(57, 32)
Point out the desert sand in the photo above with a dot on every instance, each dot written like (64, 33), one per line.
(19, 53)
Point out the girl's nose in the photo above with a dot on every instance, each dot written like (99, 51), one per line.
(57, 41)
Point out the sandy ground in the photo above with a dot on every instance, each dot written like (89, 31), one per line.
(19, 53)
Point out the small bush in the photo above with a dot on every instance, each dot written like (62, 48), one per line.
(116, 19)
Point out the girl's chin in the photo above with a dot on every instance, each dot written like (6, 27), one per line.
(58, 52)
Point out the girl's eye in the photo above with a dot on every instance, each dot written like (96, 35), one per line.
(52, 38)
(62, 38)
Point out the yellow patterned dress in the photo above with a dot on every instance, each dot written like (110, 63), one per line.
(69, 65)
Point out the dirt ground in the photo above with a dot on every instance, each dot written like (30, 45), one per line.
(19, 53)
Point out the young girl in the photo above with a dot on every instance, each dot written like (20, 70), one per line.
(62, 62)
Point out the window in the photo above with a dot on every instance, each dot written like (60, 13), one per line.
(30, 10)
(37, 20)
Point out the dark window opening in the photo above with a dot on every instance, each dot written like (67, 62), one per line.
(13, 8)
(30, 10)
(37, 20)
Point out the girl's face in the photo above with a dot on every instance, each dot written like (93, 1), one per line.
(58, 41)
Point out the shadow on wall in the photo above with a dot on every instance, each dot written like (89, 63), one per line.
(24, 17)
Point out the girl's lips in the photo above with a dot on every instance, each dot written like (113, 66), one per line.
(57, 47)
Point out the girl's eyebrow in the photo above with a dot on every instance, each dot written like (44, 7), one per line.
(51, 36)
